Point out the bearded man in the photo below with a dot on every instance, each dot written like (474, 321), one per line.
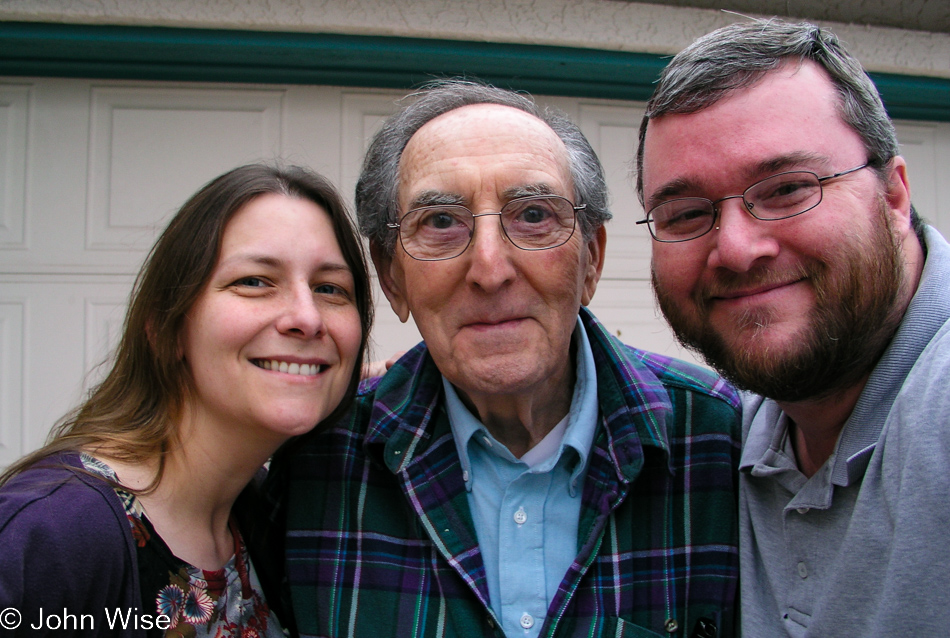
(788, 254)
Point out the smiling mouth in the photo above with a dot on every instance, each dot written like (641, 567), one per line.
(302, 369)
(730, 294)
(745, 293)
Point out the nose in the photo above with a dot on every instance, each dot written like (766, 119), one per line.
(490, 266)
(300, 314)
(740, 239)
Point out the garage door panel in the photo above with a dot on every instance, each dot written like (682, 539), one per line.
(311, 129)
(363, 114)
(103, 317)
(918, 145)
(54, 334)
(12, 327)
(941, 214)
(56, 178)
(926, 147)
(14, 127)
(613, 131)
(179, 138)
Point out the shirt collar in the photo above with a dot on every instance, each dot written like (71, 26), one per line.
(928, 311)
(581, 418)
(763, 433)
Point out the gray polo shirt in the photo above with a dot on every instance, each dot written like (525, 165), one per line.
(862, 548)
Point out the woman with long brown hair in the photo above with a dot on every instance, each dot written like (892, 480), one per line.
(246, 328)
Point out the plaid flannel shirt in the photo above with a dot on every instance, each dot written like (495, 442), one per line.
(380, 541)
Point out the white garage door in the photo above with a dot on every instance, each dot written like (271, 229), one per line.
(90, 171)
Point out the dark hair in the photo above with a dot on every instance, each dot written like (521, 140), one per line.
(738, 55)
(133, 412)
(378, 185)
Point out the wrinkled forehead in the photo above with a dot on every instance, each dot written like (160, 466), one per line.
(477, 133)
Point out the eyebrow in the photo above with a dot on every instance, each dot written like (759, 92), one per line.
(528, 190)
(276, 262)
(435, 198)
(680, 186)
(441, 198)
(263, 260)
(788, 162)
(671, 190)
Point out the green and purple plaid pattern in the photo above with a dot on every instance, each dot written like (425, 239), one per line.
(380, 542)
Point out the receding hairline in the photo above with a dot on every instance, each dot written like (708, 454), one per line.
(562, 152)
(791, 66)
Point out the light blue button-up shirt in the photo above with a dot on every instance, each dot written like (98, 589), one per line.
(526, 510)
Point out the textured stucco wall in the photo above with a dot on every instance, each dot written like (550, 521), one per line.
(600, 24)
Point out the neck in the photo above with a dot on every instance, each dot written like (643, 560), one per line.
(520, 421)
(191, 506)
(817, 424)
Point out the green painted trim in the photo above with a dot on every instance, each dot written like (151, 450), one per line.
(157, 53)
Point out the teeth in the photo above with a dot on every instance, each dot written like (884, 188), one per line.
(304, 369)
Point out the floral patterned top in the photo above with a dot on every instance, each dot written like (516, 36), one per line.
(218, 604)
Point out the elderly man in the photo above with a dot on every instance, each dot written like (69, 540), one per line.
(787, 252)
(520, 472)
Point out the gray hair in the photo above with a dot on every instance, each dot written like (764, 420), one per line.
(737, 56)
(378, 185)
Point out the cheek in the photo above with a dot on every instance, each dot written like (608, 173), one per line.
(556, 274)
(677, 272)
(192, 335)
(212, 330)
(347, 334)
(430, 288)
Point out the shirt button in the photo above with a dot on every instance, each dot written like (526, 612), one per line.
(527, 621)
(520, 516)
(671, 626)
(802, 510)
(802, 569)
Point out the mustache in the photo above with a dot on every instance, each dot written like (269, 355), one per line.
(726, 283)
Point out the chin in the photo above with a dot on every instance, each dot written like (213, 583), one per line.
(287, 429)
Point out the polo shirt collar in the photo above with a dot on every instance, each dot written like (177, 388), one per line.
(927, 312)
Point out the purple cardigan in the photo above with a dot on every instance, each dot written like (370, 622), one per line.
(66, 547)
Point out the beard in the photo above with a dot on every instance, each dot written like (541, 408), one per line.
(856, 313)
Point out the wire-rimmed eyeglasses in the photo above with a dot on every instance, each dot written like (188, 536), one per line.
(776, 197)
(444, 231)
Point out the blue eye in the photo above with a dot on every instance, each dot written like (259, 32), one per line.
(327, 289)
(250, 282)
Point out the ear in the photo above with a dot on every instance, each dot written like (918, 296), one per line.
(595, 263)
(897, 194)
(391, 280)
